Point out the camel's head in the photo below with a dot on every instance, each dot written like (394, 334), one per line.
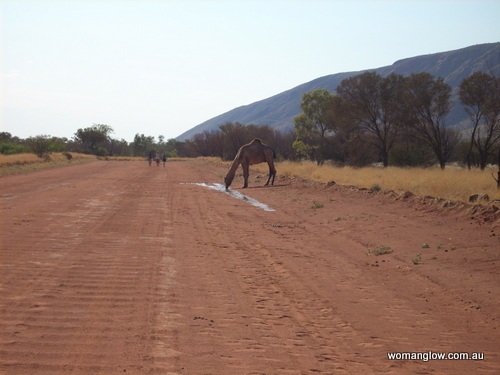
(228, 179)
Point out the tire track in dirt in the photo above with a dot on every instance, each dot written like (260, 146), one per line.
(77, 290)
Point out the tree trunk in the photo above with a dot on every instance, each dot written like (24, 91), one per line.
(442, 163)
(498, 176)
(483, 159)
(385, 158)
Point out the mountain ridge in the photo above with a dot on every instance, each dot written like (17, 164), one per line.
(279, 110)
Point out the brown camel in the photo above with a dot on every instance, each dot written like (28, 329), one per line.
(254, 152)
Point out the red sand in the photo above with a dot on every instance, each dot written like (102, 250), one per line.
(117, 267)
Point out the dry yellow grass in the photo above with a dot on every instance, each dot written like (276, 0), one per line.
(18, 159)
(28, 162)
(28, 158)
(22, 163)
(453, 183)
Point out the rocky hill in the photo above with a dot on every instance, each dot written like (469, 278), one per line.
(279, 110)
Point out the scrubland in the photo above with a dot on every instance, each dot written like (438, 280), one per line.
(453, 183)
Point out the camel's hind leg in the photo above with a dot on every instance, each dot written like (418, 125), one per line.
(272, 173)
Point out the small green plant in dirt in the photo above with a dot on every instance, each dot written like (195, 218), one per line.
(417, 259)
(376, 187)
(381, 250)
(316, 205)
(425, 246)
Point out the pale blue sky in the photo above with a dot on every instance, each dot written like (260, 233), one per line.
(163, 67)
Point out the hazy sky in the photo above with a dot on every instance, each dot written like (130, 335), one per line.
(162, 67)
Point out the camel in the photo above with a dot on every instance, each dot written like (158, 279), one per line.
(254, 152)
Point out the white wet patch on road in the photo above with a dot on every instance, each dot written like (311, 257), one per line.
(235, 194)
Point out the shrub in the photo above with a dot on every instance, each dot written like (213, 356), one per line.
(8, 148)
(381, 250)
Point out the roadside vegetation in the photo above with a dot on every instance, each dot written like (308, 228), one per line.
(454, 183)
(28, 162)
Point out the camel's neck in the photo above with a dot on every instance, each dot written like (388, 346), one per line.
(235, 164)
(232, 171)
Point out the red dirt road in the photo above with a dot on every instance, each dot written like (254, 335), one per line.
(117, 267)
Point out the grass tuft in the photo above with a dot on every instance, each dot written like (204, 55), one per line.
(317, 205)
(381, 250)
(417, 259)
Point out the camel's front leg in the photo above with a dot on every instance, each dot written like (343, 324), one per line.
(246, 174)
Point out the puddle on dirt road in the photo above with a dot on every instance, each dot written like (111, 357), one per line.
(235, 194)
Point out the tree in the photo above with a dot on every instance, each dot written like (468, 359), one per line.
(227, 140)
(429, 102)
(374, 103)
(282, 144)
(43, 145)
(314, 124)
(93, 138)
(39, 145)
(200, 142)
(11, 145)
(235, 136)
(480, 94)
(117, 147)
(142, 144)
(5, 136)
(173, 147)
(57, 144)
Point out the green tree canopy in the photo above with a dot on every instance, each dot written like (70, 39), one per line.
(314, 124)
(143, 144)
(93, 138)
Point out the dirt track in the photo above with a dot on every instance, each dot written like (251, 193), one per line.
(117, 267)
